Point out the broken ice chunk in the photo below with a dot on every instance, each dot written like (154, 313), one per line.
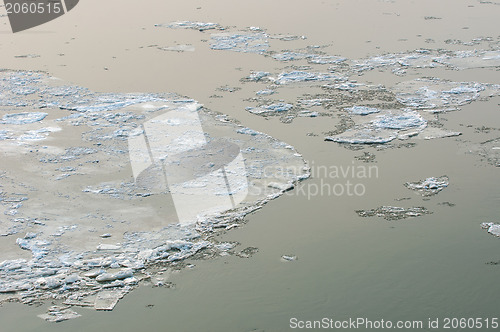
(57, 314)
(23, 118)
(393, 212)
(363, 136)
(123, 274)
(430, 186)
(201, 26)
(107, 300)
(304, 76)
(492, 228)
(240, 42)
(362, 110)
(288, 258)
(269, 109)
(436, 93)
(405, 120)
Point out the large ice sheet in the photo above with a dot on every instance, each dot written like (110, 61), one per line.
(133, 179)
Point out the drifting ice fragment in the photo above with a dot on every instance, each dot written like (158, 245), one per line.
(492, 228)
(201, 26)
(430, 186)
(269, 109)
(240, 42)
(23, 118)
(393, 212)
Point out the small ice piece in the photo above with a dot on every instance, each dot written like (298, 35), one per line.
(240, 42)
(247, 131)
(56, 314)
(288, 258)
(362, 110)
(470, 59)
(178, 48)
(269, 109)
(312, 58)
(304, 76)
(265, 92)
(123, 274)
(23, 118)
(430, 186)
(308, 114)
(433, 133)
(256, 76)
(104, 246)
(405, 120)
(363, 136)
(201, 26)
(313, 102)
(394, 212)
(107, 300)
(326, 59)
(435, 93)
(492, 228)
(290, 56)
(281, 186)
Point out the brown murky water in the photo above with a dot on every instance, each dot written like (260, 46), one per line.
(433, 266)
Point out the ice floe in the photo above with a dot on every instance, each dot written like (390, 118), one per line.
(96, 240)
(23, 118)
(430, 186)
(201, 26)
(492, 228)
(304, 76)
(393, 212)
(246, 42)
(270, 109)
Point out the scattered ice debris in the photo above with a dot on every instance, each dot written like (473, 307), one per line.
(201, 26)
(248, 252)
(56, 314)
(366, 157)
(288, 258)
(256, 42)
(492, 228)
(23, 118)
(430, 186)
(362, 110)
(304, 76)
(270, 109)
(314, 102)
(393, 212)
(287, 37)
